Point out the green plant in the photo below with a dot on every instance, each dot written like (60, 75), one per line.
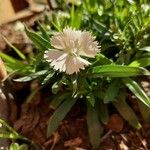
(11, 134)
(122, 28)
(15, 146)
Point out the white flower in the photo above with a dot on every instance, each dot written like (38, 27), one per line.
(69, 45)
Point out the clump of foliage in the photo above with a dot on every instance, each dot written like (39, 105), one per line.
(122, 28)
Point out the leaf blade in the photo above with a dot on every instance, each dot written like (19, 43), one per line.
(59, 115)
(127, 113)
(137, 90)
(20, 54)
(94, 128)
(143, 62)
(118, 71)
(38, 40)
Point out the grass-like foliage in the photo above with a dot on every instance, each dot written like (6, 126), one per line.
(122, 29)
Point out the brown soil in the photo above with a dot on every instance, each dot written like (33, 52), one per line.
(32, 118)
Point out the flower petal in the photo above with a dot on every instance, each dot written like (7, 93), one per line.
(74, 64)
(57, 59)
(66, 40)
(72, 34)
(52, 54)
(57, 41)
(88, 47)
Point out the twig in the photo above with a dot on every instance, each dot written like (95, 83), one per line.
(142, 141)
(106, 135)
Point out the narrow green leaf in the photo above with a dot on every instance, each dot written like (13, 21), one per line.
(20, 68)
(72, 15)
(145, 111)
(94, 127)
(44, 33)
(48, 77)
(143, 62)
(101, 60)
(58, 99)
(145, 55)
(20, 54)
(118, 71)
(9, 128)
(147, 48)
(137, 91)
(56, 24)
(38, 40)
(13, 64)
(77, 19)
(103, 112)
(9, 59)
(56, 87)
(126, 111)
(112, 91)
(59, 115)
(23, 147)
(83, 86)
(31, 76)
(90, 97)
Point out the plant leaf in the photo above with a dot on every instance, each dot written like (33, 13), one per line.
(126, 111)
(20, 54)
(90, 97)
(38, 40)
(14, 146)
(9, 59)
(58, 99)
(101, 60)
(103, 112)
(43, 31)
(145, 111)
(31, 76)
(147, 48)
(112, 91)
(137, 91)
(94, 127)
(48, 77)
(118, 71)
(13, 64)
(56, 86)
(59, 115)
(23, 147)
(143, 62)
(76, 17)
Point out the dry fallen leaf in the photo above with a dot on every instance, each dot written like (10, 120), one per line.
(3, 72)
(73, 142)
(123, 146)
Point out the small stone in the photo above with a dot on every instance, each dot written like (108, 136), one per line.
(115, 123)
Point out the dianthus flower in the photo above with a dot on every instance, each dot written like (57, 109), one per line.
(69, 45)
